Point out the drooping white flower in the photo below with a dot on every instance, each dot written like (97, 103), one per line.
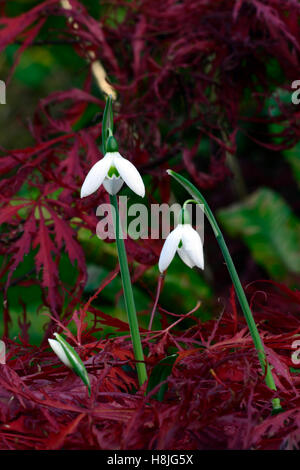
(187, 243)
(112, 171)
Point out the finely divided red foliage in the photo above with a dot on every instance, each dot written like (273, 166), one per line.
(216, 398)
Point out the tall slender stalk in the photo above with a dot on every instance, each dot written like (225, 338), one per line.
(269, 380)
(128, 296)
(107, 130)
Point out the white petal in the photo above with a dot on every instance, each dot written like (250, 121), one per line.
(113, 184)
(185, 257)
(192, 245)
(130, 174)
(95, 176)
(58, 349)
(169, 249)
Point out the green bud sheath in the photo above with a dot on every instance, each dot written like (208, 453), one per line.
(75, 361)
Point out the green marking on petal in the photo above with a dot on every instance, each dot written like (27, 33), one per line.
(113, 171)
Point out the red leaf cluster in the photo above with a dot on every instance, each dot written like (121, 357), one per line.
(216, 397)
(181, 71)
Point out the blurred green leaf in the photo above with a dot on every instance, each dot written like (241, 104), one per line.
(161, 372)
(34, 66)
(279, 98)
(270, 230)
(293, 157)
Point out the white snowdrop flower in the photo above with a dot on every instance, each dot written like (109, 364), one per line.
(186, 242)
(59, 351)
(112, 171)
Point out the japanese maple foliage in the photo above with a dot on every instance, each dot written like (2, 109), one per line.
(216, 397)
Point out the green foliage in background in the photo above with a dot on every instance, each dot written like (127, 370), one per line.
(268, 227)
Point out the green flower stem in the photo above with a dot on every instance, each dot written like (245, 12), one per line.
(236, 282)
(128, 296)
(107, 131)
(249, 319)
